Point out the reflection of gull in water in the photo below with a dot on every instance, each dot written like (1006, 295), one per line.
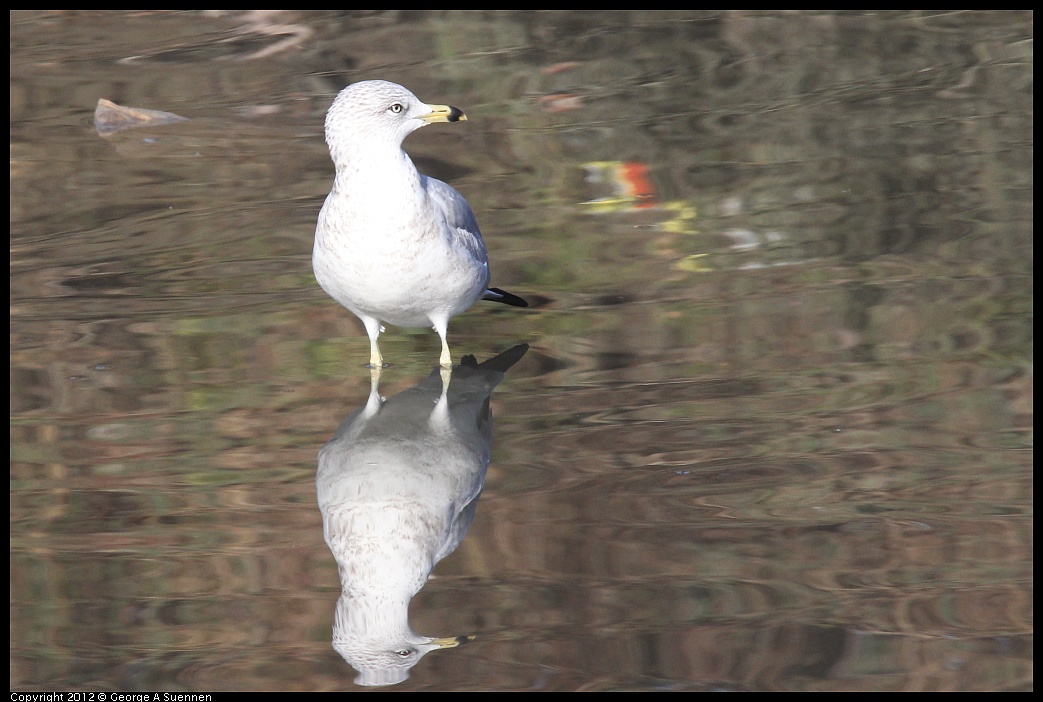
(397, 486)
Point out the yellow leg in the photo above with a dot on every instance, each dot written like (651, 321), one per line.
(446, 361)
(375, 360)
(373, 328)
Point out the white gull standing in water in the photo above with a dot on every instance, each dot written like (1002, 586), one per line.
(393, 245)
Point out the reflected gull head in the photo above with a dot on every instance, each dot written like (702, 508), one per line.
(398, 485)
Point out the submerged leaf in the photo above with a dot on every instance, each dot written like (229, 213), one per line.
(110, 118)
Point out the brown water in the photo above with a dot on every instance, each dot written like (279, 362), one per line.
(773, 430)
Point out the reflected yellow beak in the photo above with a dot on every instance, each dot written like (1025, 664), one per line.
(451, 641)
(444, 113)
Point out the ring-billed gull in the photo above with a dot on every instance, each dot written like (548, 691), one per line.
(393, 245)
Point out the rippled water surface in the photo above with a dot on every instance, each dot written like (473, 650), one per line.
(766, 424)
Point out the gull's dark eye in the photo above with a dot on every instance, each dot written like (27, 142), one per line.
(402, 652)
(396, 108)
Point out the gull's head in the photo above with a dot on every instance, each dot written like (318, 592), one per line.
(379, 112)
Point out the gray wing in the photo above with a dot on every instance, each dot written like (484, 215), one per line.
(459, 216)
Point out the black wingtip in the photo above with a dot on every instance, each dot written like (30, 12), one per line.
(497, 295)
